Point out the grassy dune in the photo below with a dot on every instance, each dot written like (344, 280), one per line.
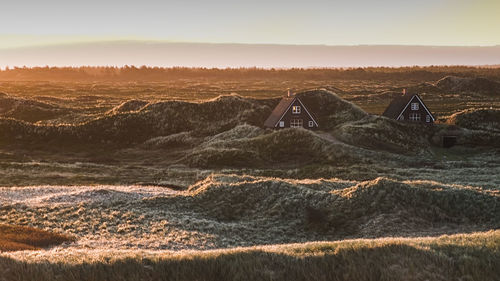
(457, 257)
(224, 211)
(16, 238)
(477, 119)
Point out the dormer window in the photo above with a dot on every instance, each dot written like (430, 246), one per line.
(414, 106)
(296, 109)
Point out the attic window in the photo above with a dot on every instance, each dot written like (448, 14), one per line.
(296, 123)
(311, 123)
(427, 118)
(414, 106)
(296, 109)
(414, 117)
(282, 124)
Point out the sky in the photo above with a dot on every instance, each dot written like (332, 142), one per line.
(315, 22)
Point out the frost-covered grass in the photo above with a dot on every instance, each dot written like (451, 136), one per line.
(224, 211)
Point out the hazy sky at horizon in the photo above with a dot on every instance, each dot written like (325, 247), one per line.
(341, 22)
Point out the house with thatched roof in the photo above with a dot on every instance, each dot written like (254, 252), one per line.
(409, 107)
(291, 113)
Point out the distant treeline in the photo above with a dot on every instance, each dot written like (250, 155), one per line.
(158, 74)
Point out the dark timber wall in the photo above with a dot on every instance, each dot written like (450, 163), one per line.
(302, 115)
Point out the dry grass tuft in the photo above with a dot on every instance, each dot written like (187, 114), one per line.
(16, 238)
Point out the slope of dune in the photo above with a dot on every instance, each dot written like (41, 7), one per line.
(469, 84)
(127, 106)
(250, 146)
(27, 109)
(477, 119)
(381, 133)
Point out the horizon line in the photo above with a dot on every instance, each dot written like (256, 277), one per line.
(159, 41)
(250, 67)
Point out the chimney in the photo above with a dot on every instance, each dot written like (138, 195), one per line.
(288, 92)
(404, 92)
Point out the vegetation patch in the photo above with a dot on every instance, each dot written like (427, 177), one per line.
(17, 238)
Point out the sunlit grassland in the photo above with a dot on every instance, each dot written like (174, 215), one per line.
(169, 180)
(457, 257)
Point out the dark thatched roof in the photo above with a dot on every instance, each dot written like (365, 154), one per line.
(397, 105)
(278, 111)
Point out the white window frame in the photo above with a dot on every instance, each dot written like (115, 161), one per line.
(414, 116)
(311, 124)
(414, 106)
(282, 124)
(427, 118)
(296, 109)
(296, 123)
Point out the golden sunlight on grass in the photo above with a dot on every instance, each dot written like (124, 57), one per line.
(450, 257)
(17, 238)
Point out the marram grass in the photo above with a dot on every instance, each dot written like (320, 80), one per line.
(457, 257)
